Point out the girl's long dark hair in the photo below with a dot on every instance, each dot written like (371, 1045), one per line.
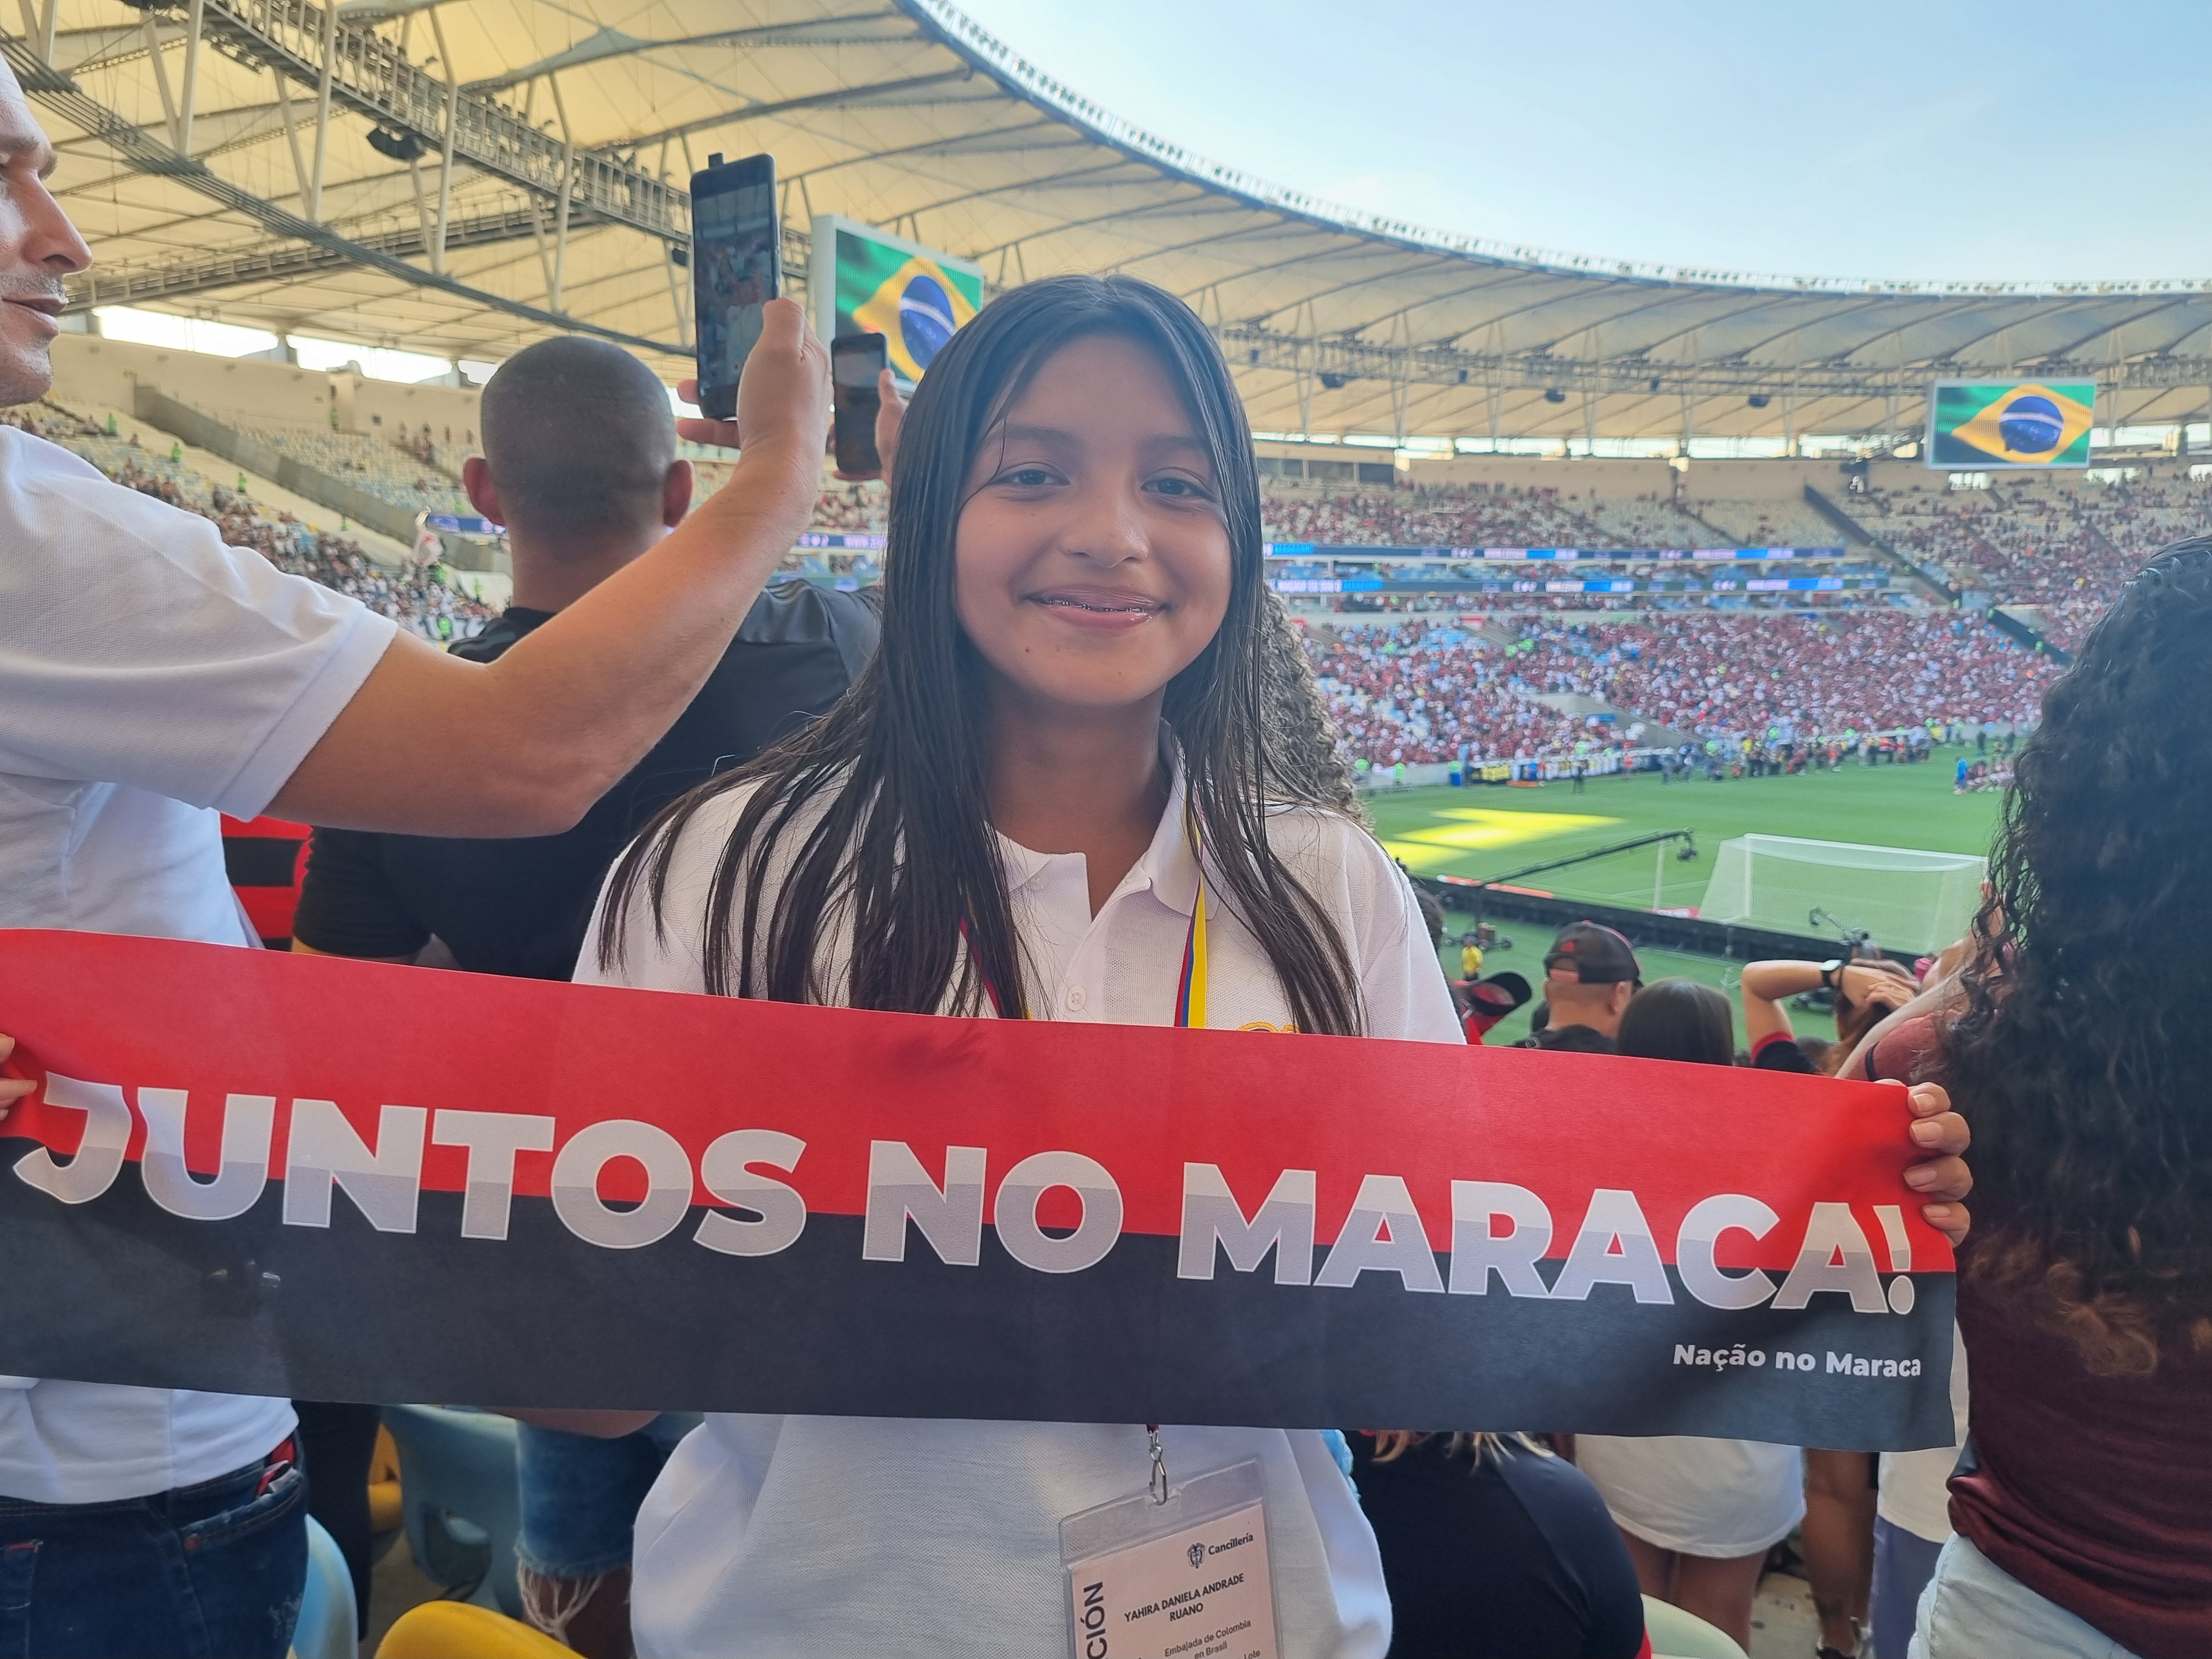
(1678, 1019)
(2083, 1058)
(882, 801)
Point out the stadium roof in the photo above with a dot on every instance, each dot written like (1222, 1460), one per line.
(192, 146)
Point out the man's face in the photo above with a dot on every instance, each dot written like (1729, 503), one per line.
(38, 247)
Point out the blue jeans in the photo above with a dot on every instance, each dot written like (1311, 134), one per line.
(1974, 1608)
(580, 1494)
(211, 1571)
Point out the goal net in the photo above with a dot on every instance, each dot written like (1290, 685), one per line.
(1908, 900)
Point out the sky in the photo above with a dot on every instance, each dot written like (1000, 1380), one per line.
(1938, 142)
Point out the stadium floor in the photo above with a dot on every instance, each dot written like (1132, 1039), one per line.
(1489, 831)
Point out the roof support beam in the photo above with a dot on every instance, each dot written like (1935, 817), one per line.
(353, 67)
(284, 259)
(195, 17)
(161, 79)
(1402, 363)
(859, 97)
(149, 155)
(844, 28)
(39, 27)
(445, 164)
(325, 83)
(291, 133)
(568, 175)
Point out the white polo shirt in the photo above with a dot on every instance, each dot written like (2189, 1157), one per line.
(149, 676)
(820, 1538)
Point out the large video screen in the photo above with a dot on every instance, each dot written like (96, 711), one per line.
(1983, 425)
(864, 281)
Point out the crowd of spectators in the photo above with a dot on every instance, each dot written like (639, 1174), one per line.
(1421, 691)
(2063, 546)
(1434, 691)
(1782, 523)
(1645, 520)
(1425, 516)
(437, 448)
(858, 509)
(387, 469)
(418, 598)
(1714, 674)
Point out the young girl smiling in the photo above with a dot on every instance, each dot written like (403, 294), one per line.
(1072, 698)
(1070, 786)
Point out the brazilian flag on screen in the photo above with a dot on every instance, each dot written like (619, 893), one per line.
(915, 301)
(2024, 424)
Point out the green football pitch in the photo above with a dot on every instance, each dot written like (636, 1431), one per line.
(1489, 831)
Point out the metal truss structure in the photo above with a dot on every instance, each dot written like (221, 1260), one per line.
(444, 177)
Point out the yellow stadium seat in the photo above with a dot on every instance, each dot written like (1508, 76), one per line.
(386, 1508)
(461, 1629)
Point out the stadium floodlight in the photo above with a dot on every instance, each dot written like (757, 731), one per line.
(400, 146)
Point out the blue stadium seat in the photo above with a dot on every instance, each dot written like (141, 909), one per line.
(328, 1621)
(457, 1473)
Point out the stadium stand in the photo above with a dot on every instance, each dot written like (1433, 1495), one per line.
(1420, 692)
(434, 450)
(1766, 523)
(853, 509)
(398, 476)
(1646, 521)
(418, 599)
(2058, 546)
(1425, 516)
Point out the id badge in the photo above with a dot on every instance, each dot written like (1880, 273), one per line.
(1185, 1579)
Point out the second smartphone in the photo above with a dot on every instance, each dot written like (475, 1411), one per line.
(855, 362)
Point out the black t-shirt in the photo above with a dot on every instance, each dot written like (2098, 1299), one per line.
(1779, 1052)
(1510, 1556)
(522, 907)
(1570, 1040)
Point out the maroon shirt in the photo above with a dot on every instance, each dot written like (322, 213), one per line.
(2095, 1491)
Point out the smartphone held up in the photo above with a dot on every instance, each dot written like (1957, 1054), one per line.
(856, 364)
(736, 268)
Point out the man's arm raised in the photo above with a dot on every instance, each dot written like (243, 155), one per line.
(431, 744)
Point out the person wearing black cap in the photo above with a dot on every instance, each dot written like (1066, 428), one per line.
(1589, 974)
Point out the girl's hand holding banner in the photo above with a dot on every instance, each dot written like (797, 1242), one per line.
(332, 1179)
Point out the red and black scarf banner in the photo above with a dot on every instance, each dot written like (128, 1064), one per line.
(332, 1179)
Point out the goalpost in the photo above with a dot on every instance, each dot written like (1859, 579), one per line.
(1909, 900)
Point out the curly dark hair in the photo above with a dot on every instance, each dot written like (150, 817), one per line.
(1297, 718)
(2083, 1057)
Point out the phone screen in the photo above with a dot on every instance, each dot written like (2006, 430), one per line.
(855, 360)
(736, 268)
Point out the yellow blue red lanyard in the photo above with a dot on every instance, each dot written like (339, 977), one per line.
(1190, 983)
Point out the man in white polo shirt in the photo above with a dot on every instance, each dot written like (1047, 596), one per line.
(151, 676)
